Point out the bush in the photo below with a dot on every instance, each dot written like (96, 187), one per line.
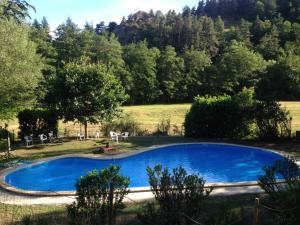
(36, 122)
(272, 121)
(284, 198)
(163, 128)
(180, 197)
(226, 215)
(99, 196)
(124, 124)
(4, 133)
(221, 116)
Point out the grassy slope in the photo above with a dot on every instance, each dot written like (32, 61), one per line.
(294, 109)
(148, 116)
(153, 114)
(56, 215)
(70, 146)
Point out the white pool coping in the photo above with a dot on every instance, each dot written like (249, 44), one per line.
(20, 196)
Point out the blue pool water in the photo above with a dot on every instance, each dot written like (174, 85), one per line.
(215, 162)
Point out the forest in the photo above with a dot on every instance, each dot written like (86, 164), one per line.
(216, 47)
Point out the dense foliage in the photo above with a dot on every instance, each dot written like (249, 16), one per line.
(125, 123)
(237, 116)
(214, 48)
(220, 116)
(272, 122)
(99, 196)
(20, 68)
(85, 92)
(15, 9)
(180, 197)
(283, 198)
(37, 121)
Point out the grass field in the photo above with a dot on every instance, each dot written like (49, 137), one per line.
(153, 114)
(148, 116)
(57, 214)
(294, 109)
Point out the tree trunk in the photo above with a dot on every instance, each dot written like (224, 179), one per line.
(8, 145)
(85, 130)
(8, 140)
(111, 216)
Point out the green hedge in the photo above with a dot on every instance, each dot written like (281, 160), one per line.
(37, 121)
(219, 117)
(237, 116)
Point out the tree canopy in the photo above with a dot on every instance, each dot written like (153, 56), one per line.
(20, 68)
(85, 92)
(215, 48)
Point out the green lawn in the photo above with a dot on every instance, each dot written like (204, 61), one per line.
(145, 115)
(153, 114)
(71, 146)
(56, 215)
(148, 116)
(294, 109)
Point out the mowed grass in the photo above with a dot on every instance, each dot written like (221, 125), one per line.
(149, 116)
(90, 147)
(294, 109)
(153, 114)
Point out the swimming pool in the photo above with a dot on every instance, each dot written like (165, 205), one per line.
(215, 162)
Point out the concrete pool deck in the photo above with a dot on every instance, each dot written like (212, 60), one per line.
(12, 195)
(20, 199)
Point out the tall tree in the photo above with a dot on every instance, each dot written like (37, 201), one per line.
(195, 78)
(40, 34)
(142, 64)
(171, 76)
(239, 67)
(85, 92)
(243, 33)
(67, 43)
(20, 68)
(269, 45)
(281, 81)
(107, 50)
(16, 9)
(210, 41)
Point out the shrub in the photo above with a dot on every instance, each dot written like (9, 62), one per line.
(99, 196)
(164, 127)
(4, 133)
(272, 121)
(226, 215)
(125, 124)
(221, 116)
(180, 197)
(283, 198)
(37, 121)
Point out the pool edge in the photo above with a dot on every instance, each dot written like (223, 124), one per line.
(12, 189)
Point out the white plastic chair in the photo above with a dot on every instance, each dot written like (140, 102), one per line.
(51, 136)
(80, 136)
(28, 140)
(125, 135)
(43, 138)
(114, 136)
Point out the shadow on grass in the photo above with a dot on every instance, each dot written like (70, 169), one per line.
(47, 154)
(213, 207)
(72, 146)
(58, 217)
